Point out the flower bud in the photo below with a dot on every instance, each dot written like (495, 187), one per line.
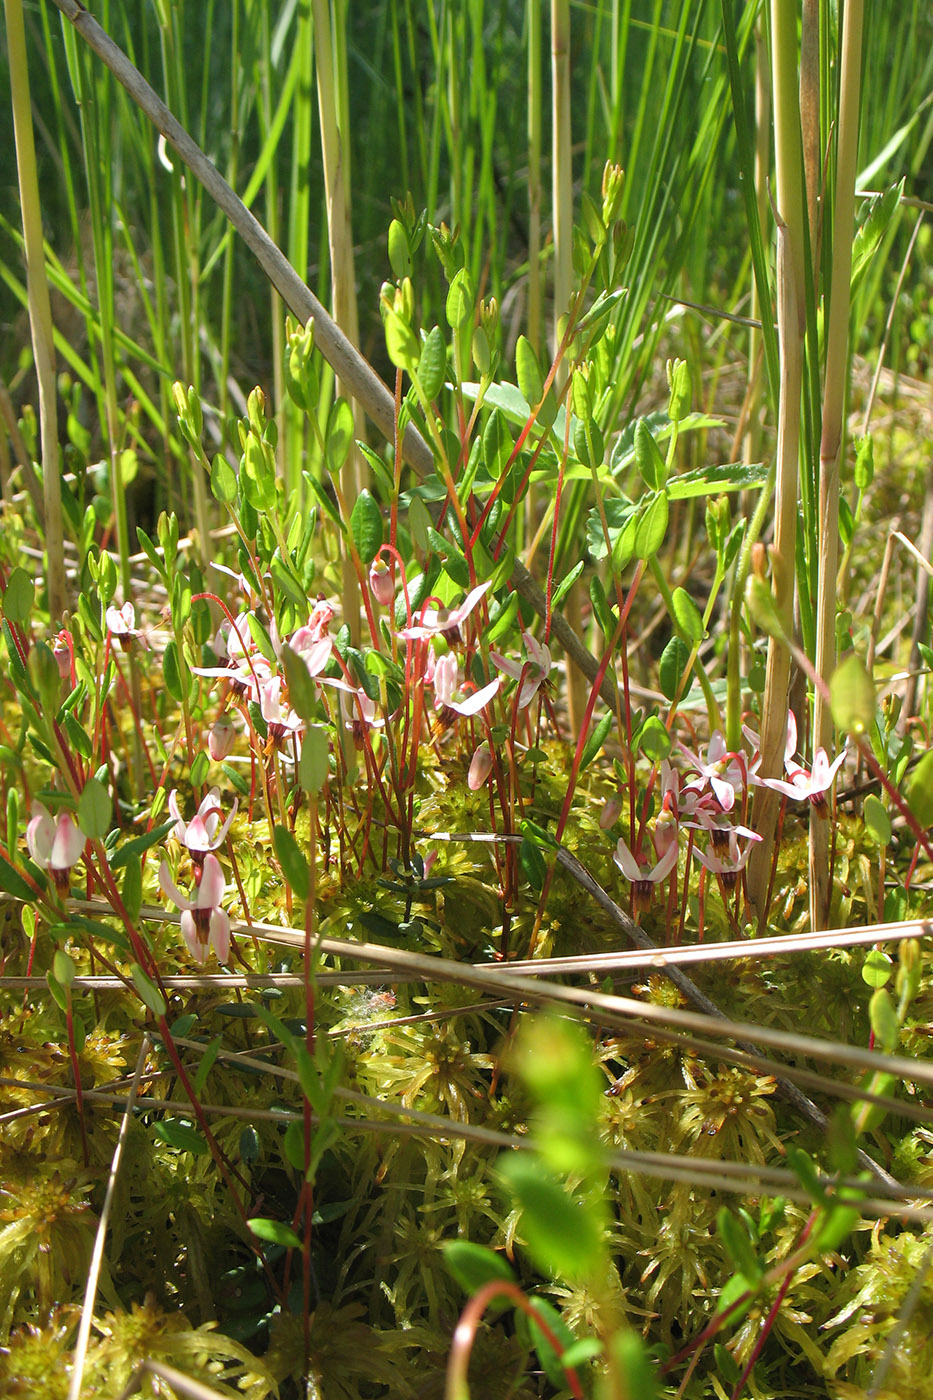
(480, 767)
(612, 810)
(382, 582)
(220, 738)
(612, 191)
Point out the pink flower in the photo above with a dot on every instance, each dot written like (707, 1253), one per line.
(728, 869)
(450, 695)
(203, 922)
(201, 834)
(801, 784)
(313, 648)
(281, 720)
(445, 622)
(322, 615)
(356, 705)
(246, 667)
(641, 875)
(725, 772)
(639, 872)
(532, 673)
(63, 649)
(612, 810)
(121, 624)
(54, 843)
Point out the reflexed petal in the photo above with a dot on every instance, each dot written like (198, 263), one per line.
(469, 603)
(197, 837)
(664, 866)
(725, 793)
(196, 947)
(213, 885)
(68, 843)
(626, 861)
(475, 702)
(790, 745)
(446, 679)
(169, 888)
(40, 834)
(506, 664)
(180, 824)
(220, 934)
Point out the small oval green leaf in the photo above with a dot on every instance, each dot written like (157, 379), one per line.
(95, 808)
(672, 666)
(293, 862)
(149, 993)
(18, 597)
(687, 616)
(651, 527)
(274, 1231)
(366, 526)
(432, 367)
(852, 696)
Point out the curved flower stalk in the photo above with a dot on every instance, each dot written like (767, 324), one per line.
(204, 832)
(204, 923)
(55, 843)
(532, 673)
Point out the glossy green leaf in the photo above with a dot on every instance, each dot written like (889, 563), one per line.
(473, 1265)
(339, 440)
(528, 372)
(687, 616)
(223, 480)
(672, 666)
(651, 527)
(920, 791)
(313, 763)
(293, 861)
(564, 1235)
(596, 740)
(11, 882)
(181, 1135)
(131, 891)
(148, 991)
(95, 809)
(497, 444)
(18, 597)
(882, 1014)
(366, 526)
(852, 696)
(460, 300)
(432, 366)
(652, 467)
(138, 844)
(877, 968)
(877, 821)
